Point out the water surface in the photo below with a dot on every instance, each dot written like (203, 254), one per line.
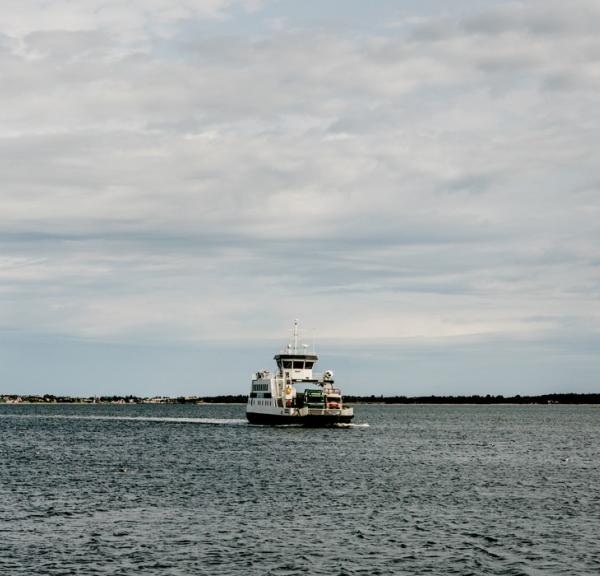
(177, 490)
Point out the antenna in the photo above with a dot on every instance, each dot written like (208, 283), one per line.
(296, 336)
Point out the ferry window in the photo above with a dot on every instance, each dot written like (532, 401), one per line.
(267, 395)
(252, 394)
(287, 364)
(298, 364)
(309, 365)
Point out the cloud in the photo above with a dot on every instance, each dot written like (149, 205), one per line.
(134, 20)
(435, 182)
(545, 19)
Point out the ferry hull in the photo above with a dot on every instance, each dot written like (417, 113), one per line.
(314, 421)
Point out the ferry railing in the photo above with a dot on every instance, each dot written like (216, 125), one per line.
(319, 376)
(343, 410)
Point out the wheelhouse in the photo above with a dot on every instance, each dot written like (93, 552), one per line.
(296, 367)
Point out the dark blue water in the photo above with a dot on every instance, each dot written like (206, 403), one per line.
(124, 490)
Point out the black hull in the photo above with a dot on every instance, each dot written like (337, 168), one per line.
(312, 421)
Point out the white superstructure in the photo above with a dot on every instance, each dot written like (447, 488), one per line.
(295, 393)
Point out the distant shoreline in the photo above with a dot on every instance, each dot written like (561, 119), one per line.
(555, 398)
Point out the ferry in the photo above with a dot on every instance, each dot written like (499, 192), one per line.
(294, 394)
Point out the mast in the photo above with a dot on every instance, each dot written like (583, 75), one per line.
(296, 336)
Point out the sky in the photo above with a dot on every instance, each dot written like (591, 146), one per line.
(416, 181)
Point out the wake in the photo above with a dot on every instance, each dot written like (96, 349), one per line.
(210, 421)
(350, 425)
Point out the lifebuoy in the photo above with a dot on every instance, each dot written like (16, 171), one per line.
(288, 390)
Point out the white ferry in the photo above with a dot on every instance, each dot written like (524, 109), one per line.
(295, 394)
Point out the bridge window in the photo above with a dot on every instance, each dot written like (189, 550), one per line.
(260, 387)
(298, 364)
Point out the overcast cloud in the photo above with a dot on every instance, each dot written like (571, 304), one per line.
(417, 178)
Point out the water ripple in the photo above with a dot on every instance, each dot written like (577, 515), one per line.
(500, 490)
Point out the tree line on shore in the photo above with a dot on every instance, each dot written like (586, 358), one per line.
(556, 398)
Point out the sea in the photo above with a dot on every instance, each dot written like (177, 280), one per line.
(173, 490)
